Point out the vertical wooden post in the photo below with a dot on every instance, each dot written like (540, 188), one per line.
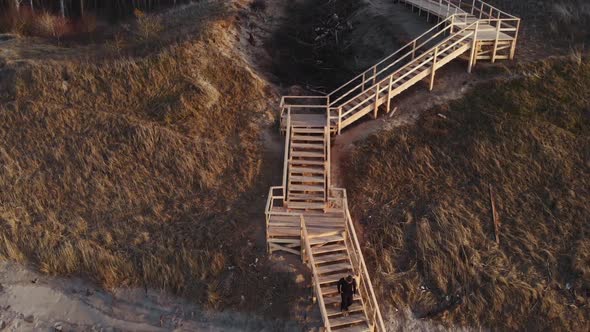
(481, 11)
(433, 69)
(498, 25)
(339, 119)
(374, 74)
(364, 79)
(389, 89)
(302, 239)
(513, 46)
(414, 49)
(376, 101)
(473, 57)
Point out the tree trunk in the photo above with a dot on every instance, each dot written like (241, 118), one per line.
(17, 5)
(81, 8)
(32, 6)
(63, 8)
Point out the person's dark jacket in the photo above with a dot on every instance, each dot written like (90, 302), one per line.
(347, 288)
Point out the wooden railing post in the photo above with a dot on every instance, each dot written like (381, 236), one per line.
(364, 79)
(389, 90)
(286, 162)
(301, 226)
(376, 101)
(414, 49)
(481, 10)
(498, 25)
(339, 119)
(433, 69)
(374, 74)
(473, 57)
(513, 46)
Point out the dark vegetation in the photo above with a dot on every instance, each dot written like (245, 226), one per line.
(74, 9)
(560, 23)
(78, 20)
(422, 193)
(313, 43)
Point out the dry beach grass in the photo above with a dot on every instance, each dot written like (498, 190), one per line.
(130, 171)
(422, 193)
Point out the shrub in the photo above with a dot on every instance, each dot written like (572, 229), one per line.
(258, 5)
(148, 26)
(48, 25)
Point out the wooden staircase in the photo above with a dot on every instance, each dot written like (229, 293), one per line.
(467, 28)
(306, 216)
(308, 166)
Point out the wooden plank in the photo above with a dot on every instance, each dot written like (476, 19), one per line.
(348, 320)
(310, 169)
(331, 300)
(357, 328)
(276, 247)
(325, 269)
(307, 138)
(299, 130)
(307, 146)
(298, 187)
(295, 178)
(335, 311)
(328, 249)
(307, 154)
(330, 259)
(326, 240)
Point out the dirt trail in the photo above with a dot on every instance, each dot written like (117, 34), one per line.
(33, 302)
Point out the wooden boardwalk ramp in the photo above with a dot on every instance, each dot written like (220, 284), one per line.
(306, 216)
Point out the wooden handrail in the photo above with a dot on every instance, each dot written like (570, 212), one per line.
(363, 75)
(362, 266)
(419, 58)
(287, 154)
(314, 272)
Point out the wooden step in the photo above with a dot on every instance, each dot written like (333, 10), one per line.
(325, 240)
(328, 248)
(307, 146)
(307, 170)
(352, 319)
(330, 259)
(336, 300)
(307, 162)
(335, 311)
(306, 205)
(333, 268)
(301, 187)
(295, 178)
(299, 130)
(307, 154)
(307, 138)
(357, 328)
(330, 290)
(329, 279)
(305, 197)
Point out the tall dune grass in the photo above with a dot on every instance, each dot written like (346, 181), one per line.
(422, 193)
(135, 171)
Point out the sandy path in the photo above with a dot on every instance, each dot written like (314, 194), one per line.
(71, 304)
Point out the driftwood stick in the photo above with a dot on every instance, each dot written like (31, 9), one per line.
(495, 216)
